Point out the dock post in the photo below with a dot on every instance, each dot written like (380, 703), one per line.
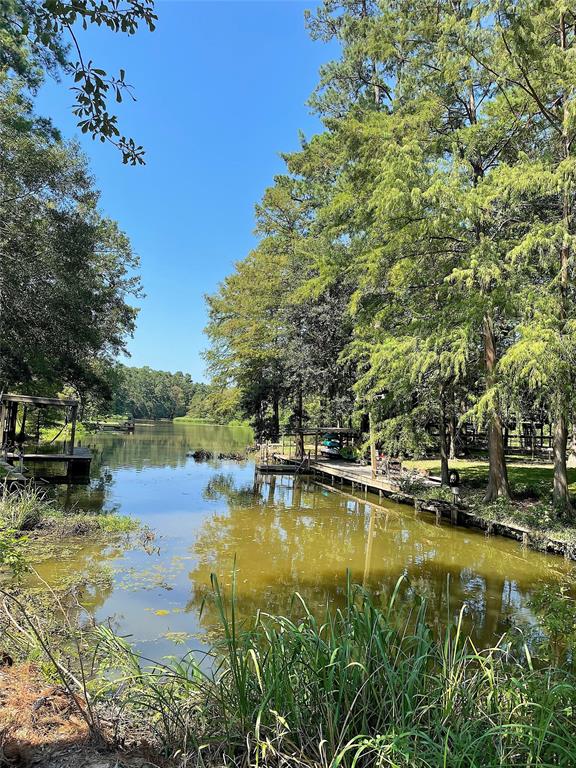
(3, 429)
(373, 459)
(73, 429)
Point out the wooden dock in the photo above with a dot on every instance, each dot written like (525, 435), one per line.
(12, 440)
(334, 473)
(286, 468)
(124, 426)
(77, 463)
(341, 471)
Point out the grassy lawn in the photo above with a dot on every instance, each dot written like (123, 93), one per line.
(57, 433)
(524, 476)
(531, 487)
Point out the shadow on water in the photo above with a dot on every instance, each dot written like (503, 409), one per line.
(285, 534)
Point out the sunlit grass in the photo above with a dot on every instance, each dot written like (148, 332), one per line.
(521, 474)
(360, 687)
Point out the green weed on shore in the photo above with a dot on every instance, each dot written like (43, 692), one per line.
(26, 513)
(357, 688)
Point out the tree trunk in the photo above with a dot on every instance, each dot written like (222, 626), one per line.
(560, 495)
(452, 426)
(275, 417)
(444, 468)
(497, 473)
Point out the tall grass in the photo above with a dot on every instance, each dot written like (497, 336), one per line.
(23, 508)
(28, 508)
(357, 688)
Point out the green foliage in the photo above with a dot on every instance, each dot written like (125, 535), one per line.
(440, 493)
(112, 523)
(362, 685)
(12, 556)
(57, 251)
(216, 404)
(419, 251)
(349, 452)
(38, 37)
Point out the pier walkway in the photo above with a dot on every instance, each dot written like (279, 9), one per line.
(341, 471)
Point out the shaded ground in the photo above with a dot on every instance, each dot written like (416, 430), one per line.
(41, 725)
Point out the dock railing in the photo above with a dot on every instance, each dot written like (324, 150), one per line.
(268, 449)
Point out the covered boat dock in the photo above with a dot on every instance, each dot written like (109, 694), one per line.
(13, 440)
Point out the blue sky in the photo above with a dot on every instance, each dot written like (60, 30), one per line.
(221, 90)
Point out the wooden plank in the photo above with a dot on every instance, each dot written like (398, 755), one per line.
(33, 400)
(81, 455)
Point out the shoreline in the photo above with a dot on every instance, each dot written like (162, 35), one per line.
(457, 514)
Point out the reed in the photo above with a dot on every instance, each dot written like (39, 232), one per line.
(357, 688)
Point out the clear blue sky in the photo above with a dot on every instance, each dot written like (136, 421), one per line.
(222, 90)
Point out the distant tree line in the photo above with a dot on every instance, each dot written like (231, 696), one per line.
(416, 259)
(148, 394)
(145, 393)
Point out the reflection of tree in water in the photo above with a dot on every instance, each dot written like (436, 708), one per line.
(288, 535)
(222, 486)
(164, 444)
(161, 444)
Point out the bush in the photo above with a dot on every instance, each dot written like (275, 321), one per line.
(12, 556)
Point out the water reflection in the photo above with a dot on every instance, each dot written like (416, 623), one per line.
(285, 534)
(151, 445)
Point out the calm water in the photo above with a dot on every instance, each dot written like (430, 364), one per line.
(284, 534)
